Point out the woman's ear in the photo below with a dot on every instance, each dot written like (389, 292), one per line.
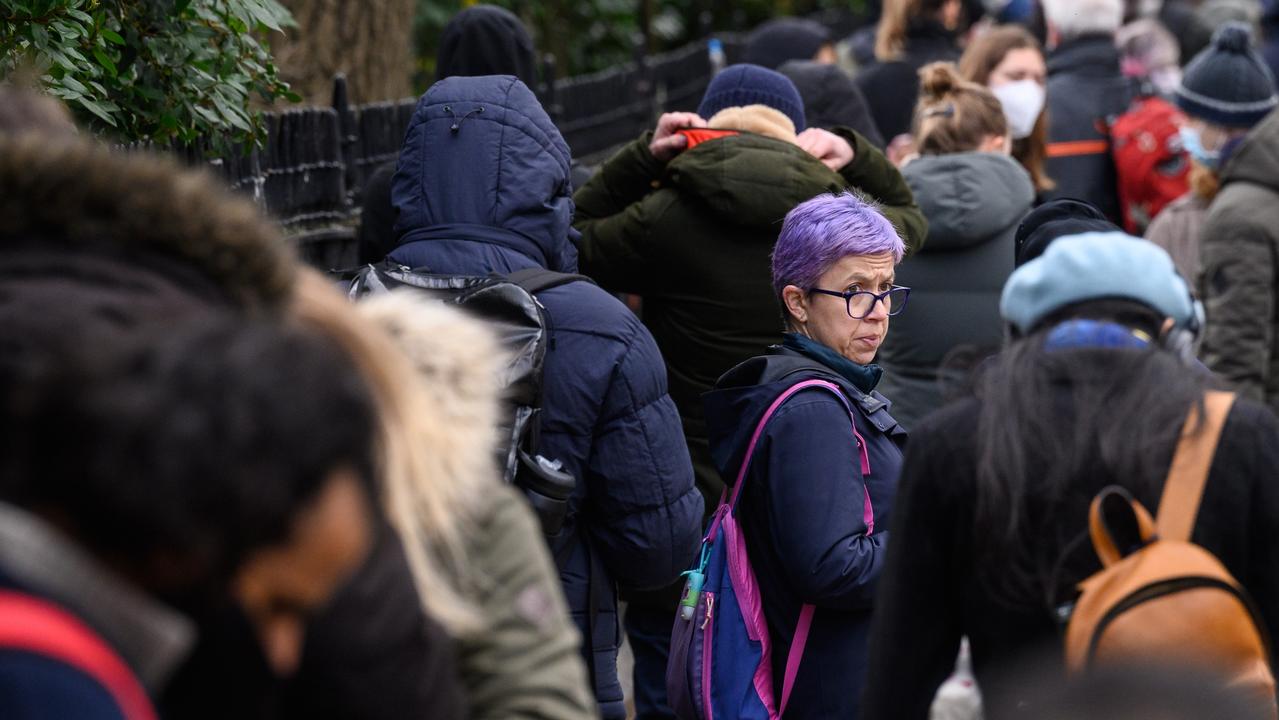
(1166, 327)
(795, 301)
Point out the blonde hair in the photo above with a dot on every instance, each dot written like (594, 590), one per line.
(428, 499)
(954, 115)
(895, 22)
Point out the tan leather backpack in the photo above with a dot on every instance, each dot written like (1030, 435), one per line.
(1169, 598)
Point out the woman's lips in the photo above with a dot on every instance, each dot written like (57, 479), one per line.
(870, 340)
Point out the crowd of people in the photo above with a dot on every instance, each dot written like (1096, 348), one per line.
(663, 405)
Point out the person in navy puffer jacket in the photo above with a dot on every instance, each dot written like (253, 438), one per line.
(482, 186)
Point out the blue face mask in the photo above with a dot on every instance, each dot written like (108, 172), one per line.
(1191, 141)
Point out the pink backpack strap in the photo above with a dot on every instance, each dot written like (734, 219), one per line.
(805, 623)
(39, 627)
(796, 654)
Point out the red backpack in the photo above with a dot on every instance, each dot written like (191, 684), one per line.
(1151, 166)
(29, 624)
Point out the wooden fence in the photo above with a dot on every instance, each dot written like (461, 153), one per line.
(311, 171)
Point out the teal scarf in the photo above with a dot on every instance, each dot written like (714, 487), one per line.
(863, 377)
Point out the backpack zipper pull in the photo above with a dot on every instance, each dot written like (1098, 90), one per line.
(710, 604)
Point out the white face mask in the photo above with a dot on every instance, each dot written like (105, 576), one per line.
(1023, 101)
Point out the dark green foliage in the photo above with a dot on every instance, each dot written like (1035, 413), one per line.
(590, 35)
(150, 70)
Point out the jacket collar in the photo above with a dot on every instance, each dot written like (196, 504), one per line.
(863, 377)
(151, 638)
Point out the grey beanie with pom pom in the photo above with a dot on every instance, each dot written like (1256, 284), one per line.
(1228, 83)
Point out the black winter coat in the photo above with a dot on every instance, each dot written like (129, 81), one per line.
(801, 513)
(892, 88)
(930, 596)
(973, 202)
(1086, 90)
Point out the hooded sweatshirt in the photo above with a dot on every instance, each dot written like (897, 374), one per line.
(486, 40)
(974, 202)
(694, 238)
(832, 99)
(1239, 281)
(483, 187)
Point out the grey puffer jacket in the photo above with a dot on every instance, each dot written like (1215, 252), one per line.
(973, 202)
(1239, 282)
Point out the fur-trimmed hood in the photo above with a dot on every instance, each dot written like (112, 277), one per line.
(460, 362)
(67, 194)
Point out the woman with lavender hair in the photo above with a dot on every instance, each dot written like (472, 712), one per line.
(819, 488)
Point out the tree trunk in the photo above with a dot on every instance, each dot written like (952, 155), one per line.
(369, 41)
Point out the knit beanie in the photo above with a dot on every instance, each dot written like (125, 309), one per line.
(1228, 83)
(742, 85)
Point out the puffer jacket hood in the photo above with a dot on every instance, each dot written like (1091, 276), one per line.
(969, 198)
(1256, 160)
(483, 162)
(750, 180)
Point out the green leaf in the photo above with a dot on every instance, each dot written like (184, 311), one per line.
(107, 64)
(96, 109)
(71, 83)
(112, 36)
(82, 16)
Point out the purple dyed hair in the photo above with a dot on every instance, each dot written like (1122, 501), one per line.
(820, 232)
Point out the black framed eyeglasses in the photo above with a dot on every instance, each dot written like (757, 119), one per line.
(861, 303)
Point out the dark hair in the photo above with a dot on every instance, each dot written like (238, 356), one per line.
(174, 462)
(1047, 415)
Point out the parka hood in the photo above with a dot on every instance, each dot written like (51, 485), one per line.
(66, 196)
(969, 198)
(483, 162)
(750, 180)
(1256, 160)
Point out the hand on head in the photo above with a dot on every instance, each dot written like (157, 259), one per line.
(834, 151)
(667, 143)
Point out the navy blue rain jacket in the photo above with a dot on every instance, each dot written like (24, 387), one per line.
(483, 186)
(801, 514)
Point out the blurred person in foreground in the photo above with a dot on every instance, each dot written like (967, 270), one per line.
(116, 245)
(1225, 92)
(974, 195)
(1010, 61)
(991, 528)
(818, 494)
(434, 372)
(167, 481)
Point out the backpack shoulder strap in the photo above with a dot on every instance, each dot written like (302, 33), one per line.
(1189, 470)
(535, 280)
(30, 624)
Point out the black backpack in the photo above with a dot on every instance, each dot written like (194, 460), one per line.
(509, 304)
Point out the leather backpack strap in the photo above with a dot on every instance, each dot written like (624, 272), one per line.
(1189, 470)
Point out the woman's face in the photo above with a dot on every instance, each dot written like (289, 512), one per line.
(1019, 64)
(280, 587)
(825, 318)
